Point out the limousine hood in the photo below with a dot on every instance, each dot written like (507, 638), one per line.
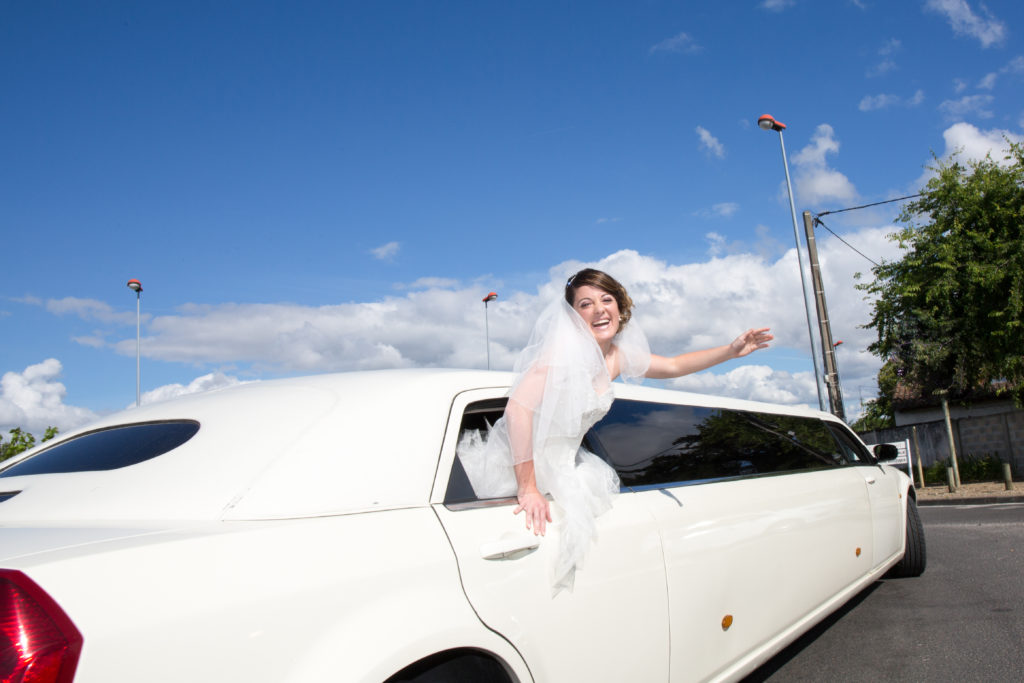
(322, 445)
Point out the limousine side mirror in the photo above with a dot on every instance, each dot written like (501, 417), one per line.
(886, 451)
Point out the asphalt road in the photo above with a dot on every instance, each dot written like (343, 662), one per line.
(962, 620)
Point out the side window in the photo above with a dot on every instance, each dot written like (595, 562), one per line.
(855, 451)
(477, 416)
(110, 448)
(652, 444)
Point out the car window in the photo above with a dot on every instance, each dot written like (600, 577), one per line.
(106, 449)
(653, 444)
(477, 416)
(854, 450)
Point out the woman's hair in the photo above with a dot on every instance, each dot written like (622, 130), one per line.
(603, 281)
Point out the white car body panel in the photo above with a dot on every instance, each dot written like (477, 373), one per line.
(302, 535)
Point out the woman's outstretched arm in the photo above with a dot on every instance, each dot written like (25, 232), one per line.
(663, 367)
(519, 418)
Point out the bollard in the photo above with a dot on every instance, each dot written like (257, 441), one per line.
(1007, 476)
(950, 480)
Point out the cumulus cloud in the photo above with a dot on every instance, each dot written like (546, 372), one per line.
(752, 382)
(682, 307)
(987, 30)
(681, 42)
(207, 382)
(33, 399)
(386, 252)
(815, 182)
(709, 142)
(969, 143)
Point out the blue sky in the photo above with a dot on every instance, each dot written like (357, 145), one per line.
(308, 187)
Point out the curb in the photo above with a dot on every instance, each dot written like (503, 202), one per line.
(978, 500)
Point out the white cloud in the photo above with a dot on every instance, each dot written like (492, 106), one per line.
(886, 65)
(755, 383)
(967, 105)
(431, 283)
(709, 142)
(988, 30)
(91, 309)
(777, 5)
(386, 252)
(814, 181)
(681, 42)
(720, 210)
(725, 209)
(33, 399)
(884, 101)
(208, 382)
(988, 82)
(970, 143)
(682, 307)
(873, 102)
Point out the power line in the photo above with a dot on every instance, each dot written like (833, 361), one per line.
(818, 221)
(865, 206)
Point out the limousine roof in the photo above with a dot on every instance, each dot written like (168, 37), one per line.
(318, 445)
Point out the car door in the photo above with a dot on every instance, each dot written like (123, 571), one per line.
(759, 527)
(885, 490)
(613, 625)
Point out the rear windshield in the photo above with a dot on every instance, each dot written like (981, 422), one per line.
(106, 449)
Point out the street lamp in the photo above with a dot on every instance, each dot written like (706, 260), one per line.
(136, 287)
(491, 296)
(768, 122)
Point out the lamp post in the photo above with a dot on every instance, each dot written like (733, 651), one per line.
(768, 122)
(491, 296)
(136, 287)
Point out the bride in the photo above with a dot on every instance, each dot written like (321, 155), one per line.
(562, 388)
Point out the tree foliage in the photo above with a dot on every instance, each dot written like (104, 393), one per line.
(949, 313)
(20, 440)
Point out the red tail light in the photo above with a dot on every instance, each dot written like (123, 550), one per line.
(38, 643)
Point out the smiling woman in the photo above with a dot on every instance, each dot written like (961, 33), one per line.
(579, 344)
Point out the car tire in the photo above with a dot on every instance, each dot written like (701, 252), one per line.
(454, 666)
(915, 557)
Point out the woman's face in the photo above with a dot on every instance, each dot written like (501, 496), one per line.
(599, 310)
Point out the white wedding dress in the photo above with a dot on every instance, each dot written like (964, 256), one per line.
(565, 388)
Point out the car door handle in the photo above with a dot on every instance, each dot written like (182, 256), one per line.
(507, 547)
(870, 480)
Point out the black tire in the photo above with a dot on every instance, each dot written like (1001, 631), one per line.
(915, 558)
(453, 666)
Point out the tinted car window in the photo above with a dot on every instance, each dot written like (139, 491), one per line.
(855, 452)
(107, 449)
(654, 444)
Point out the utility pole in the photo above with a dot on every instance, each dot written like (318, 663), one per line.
(835, 393)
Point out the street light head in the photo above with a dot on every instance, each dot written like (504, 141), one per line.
(768, 122)
(135, 285)
(490, 297)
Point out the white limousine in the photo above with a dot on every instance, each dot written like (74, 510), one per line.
(322, 529)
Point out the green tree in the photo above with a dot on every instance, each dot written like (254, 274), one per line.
(20, 440)
(949, 313)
